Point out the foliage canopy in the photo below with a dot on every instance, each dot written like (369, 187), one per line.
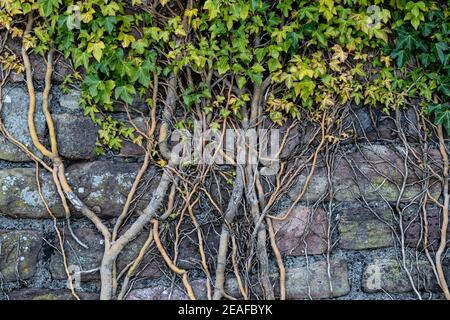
(315, 54)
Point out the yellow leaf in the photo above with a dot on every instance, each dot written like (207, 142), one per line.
(96, 49)
(126, 39)
(162, 163)
(339, 53)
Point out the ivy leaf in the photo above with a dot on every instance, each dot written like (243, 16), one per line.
(260, 53)
(427, 28)
(255, 4)
(400, 57)
(243, 14)
(415, 22)
(91, 83)
(304, 88)
(105, 90)
(285, 7)
(127, 39)
(81, 59)
(96, 49)
(257, 68)
(273, 64)
(125, 93)
(139, 46)
(276, 117)
(441, 47)
(425, 59)
(212, 7)
(444, 87)
(381, 34)
(407, 41)
(109, 23)
(127, 68)
(142, 76)
(110, 9)
(222, 65)
(432, 108)
(339, 53)
(241, 82)
(47, 6)
(443, 118)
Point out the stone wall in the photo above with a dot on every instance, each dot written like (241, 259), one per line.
(342, 244)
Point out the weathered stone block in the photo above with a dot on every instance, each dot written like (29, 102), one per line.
(374, 172)
(102, 185)
(19, 196)
(19, 251)
(89, 259)
(48, 294)
(316, 188)
(362, 228)
(70, 102)
(14, 117)
(303, 231)
(61, 66)
(131, 149)
(161, 292)
(314, 282)
(301, 283)
(414, 221)
(369, 123)
(389, 275)
(188, 246)
(16, 77)
(76, 136)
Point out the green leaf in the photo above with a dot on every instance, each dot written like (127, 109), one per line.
(96, 49)
(273, 64)
(443, 118)
(415, 22)
(444, 87)
(257, 68)
(441, 48)
(243, 13)
(91, 83)
(109, 23)
(47, 6)
(222, 65)
(82, 59)
(425, 59)
(400, 57)
(260, 53)
(407, 42)
(255, 4)
(125, 93)
(105, 91)
(212, 7)
(241, 82)
(139, 46)
(276, 117)
(142, 76)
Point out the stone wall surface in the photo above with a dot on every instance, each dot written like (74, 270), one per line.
(347, 248)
